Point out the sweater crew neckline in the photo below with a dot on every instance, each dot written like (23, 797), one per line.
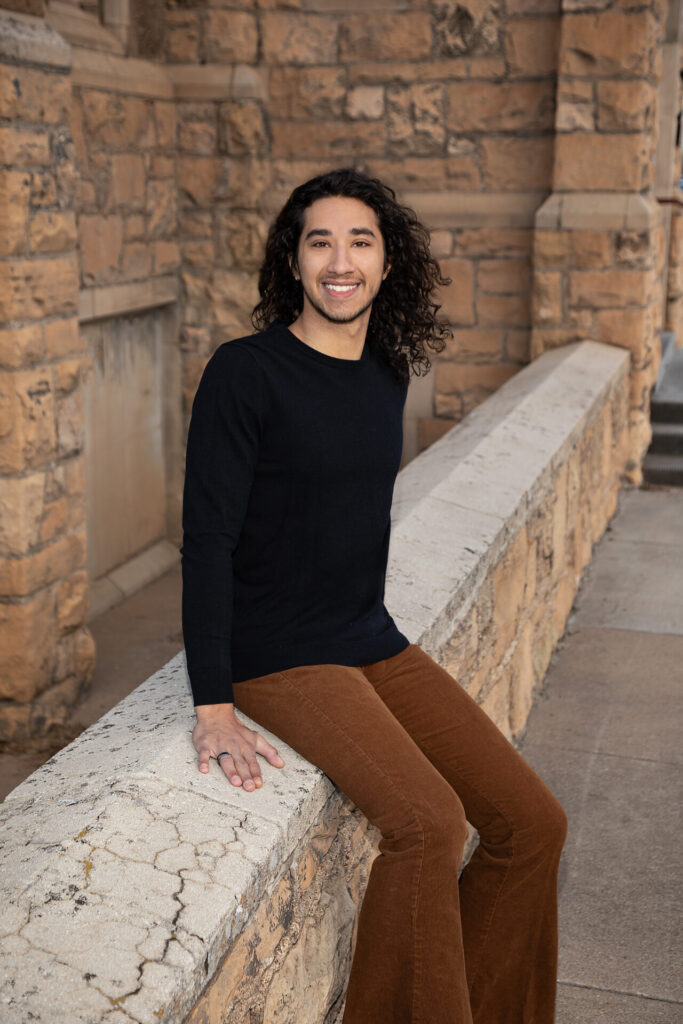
(323, 357)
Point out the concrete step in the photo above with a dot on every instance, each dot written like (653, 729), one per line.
(663, 469)
(666, 408)
(667, 438)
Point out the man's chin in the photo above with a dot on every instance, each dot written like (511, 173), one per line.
(340, 316)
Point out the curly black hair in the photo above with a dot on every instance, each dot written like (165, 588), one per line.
(403, 319)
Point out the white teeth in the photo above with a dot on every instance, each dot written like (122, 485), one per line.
(340, 287)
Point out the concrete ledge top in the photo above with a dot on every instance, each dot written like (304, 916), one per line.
(125, 873)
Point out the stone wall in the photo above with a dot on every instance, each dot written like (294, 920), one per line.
(221, 905)
(452, 104)
(600, 242)
(46, 651)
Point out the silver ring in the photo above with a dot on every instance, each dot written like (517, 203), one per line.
(223, 753)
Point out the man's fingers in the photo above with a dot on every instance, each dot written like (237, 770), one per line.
(204, 756)
(268, 751)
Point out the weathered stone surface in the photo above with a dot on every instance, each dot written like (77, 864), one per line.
(230, 36)
(501, 107)
(316, 92)
(398, 36)
(466, 28)
(298, 38)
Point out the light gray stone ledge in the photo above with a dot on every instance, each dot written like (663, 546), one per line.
(125, 874)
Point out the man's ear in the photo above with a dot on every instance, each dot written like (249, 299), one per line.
(293, 266)
(386, 271)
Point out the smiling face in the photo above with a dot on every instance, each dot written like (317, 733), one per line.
(340, 259)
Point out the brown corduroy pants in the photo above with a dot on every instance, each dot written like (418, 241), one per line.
(418, 756)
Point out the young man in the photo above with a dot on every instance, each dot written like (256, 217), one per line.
(293, 450)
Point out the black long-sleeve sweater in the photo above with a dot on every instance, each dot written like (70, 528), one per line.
(292, 455)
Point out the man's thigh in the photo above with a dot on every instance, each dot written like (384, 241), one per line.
(497, 787)
(333, 716)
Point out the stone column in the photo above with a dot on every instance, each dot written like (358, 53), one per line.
(46, 652)
(599, 239)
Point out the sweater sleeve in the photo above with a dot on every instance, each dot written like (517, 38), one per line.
(222, 448)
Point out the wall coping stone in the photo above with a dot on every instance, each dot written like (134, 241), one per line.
(596, 211)
(125, 873)
(32, 40)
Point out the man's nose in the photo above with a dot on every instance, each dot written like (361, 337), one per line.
(340, 261)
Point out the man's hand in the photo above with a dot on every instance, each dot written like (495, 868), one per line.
(218, 729)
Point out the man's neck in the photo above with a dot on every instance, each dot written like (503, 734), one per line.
(343, 340)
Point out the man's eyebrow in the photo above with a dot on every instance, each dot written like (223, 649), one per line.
(326, 233)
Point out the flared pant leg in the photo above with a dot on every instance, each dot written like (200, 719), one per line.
(411, 749)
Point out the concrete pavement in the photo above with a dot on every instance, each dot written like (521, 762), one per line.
(606, 737)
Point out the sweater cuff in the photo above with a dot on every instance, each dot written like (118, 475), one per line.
(209, 686)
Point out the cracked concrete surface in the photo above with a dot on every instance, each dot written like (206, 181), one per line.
(129, 875)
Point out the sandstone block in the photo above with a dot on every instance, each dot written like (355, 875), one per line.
(611, 163)
(72, 594)
(23, 147)
(463, 30)
(26, 650)
(440, 243)
(453, 377)
(21, 346)
(31, 95)
(197, 137)
(504, 277)
(547, 297)
(70, 424)
(117, 121)
(398, 36)
(522, 680)
(509, 582)
(134, 227)
(504, 310)
(580, 249)
(20, 577)
(195, 223)
(501, 106)
(316, 92)
(415, 119)
(532, 46)
(607, 43)
(136, 261)
(230, 36)
(634, 248)
(27, 425)
(101, 239)
(232, 296)
(15, 194)
(162, 208)
(243, 129)
(475, 344)
(51, 231)
(165, 118)
(457, 298)
(244, 182)
(291, 38)
(518, 164)
(573, 117)
(21, 513)
(43, 189)
(365, 102)
(62, 337)
(600, 288)
(182, 37)
(165, 257)
(626, 105)
(514, 243)
(336, 139)
(241, 238)
(517, 345)
(199, 253)
(198, 178)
